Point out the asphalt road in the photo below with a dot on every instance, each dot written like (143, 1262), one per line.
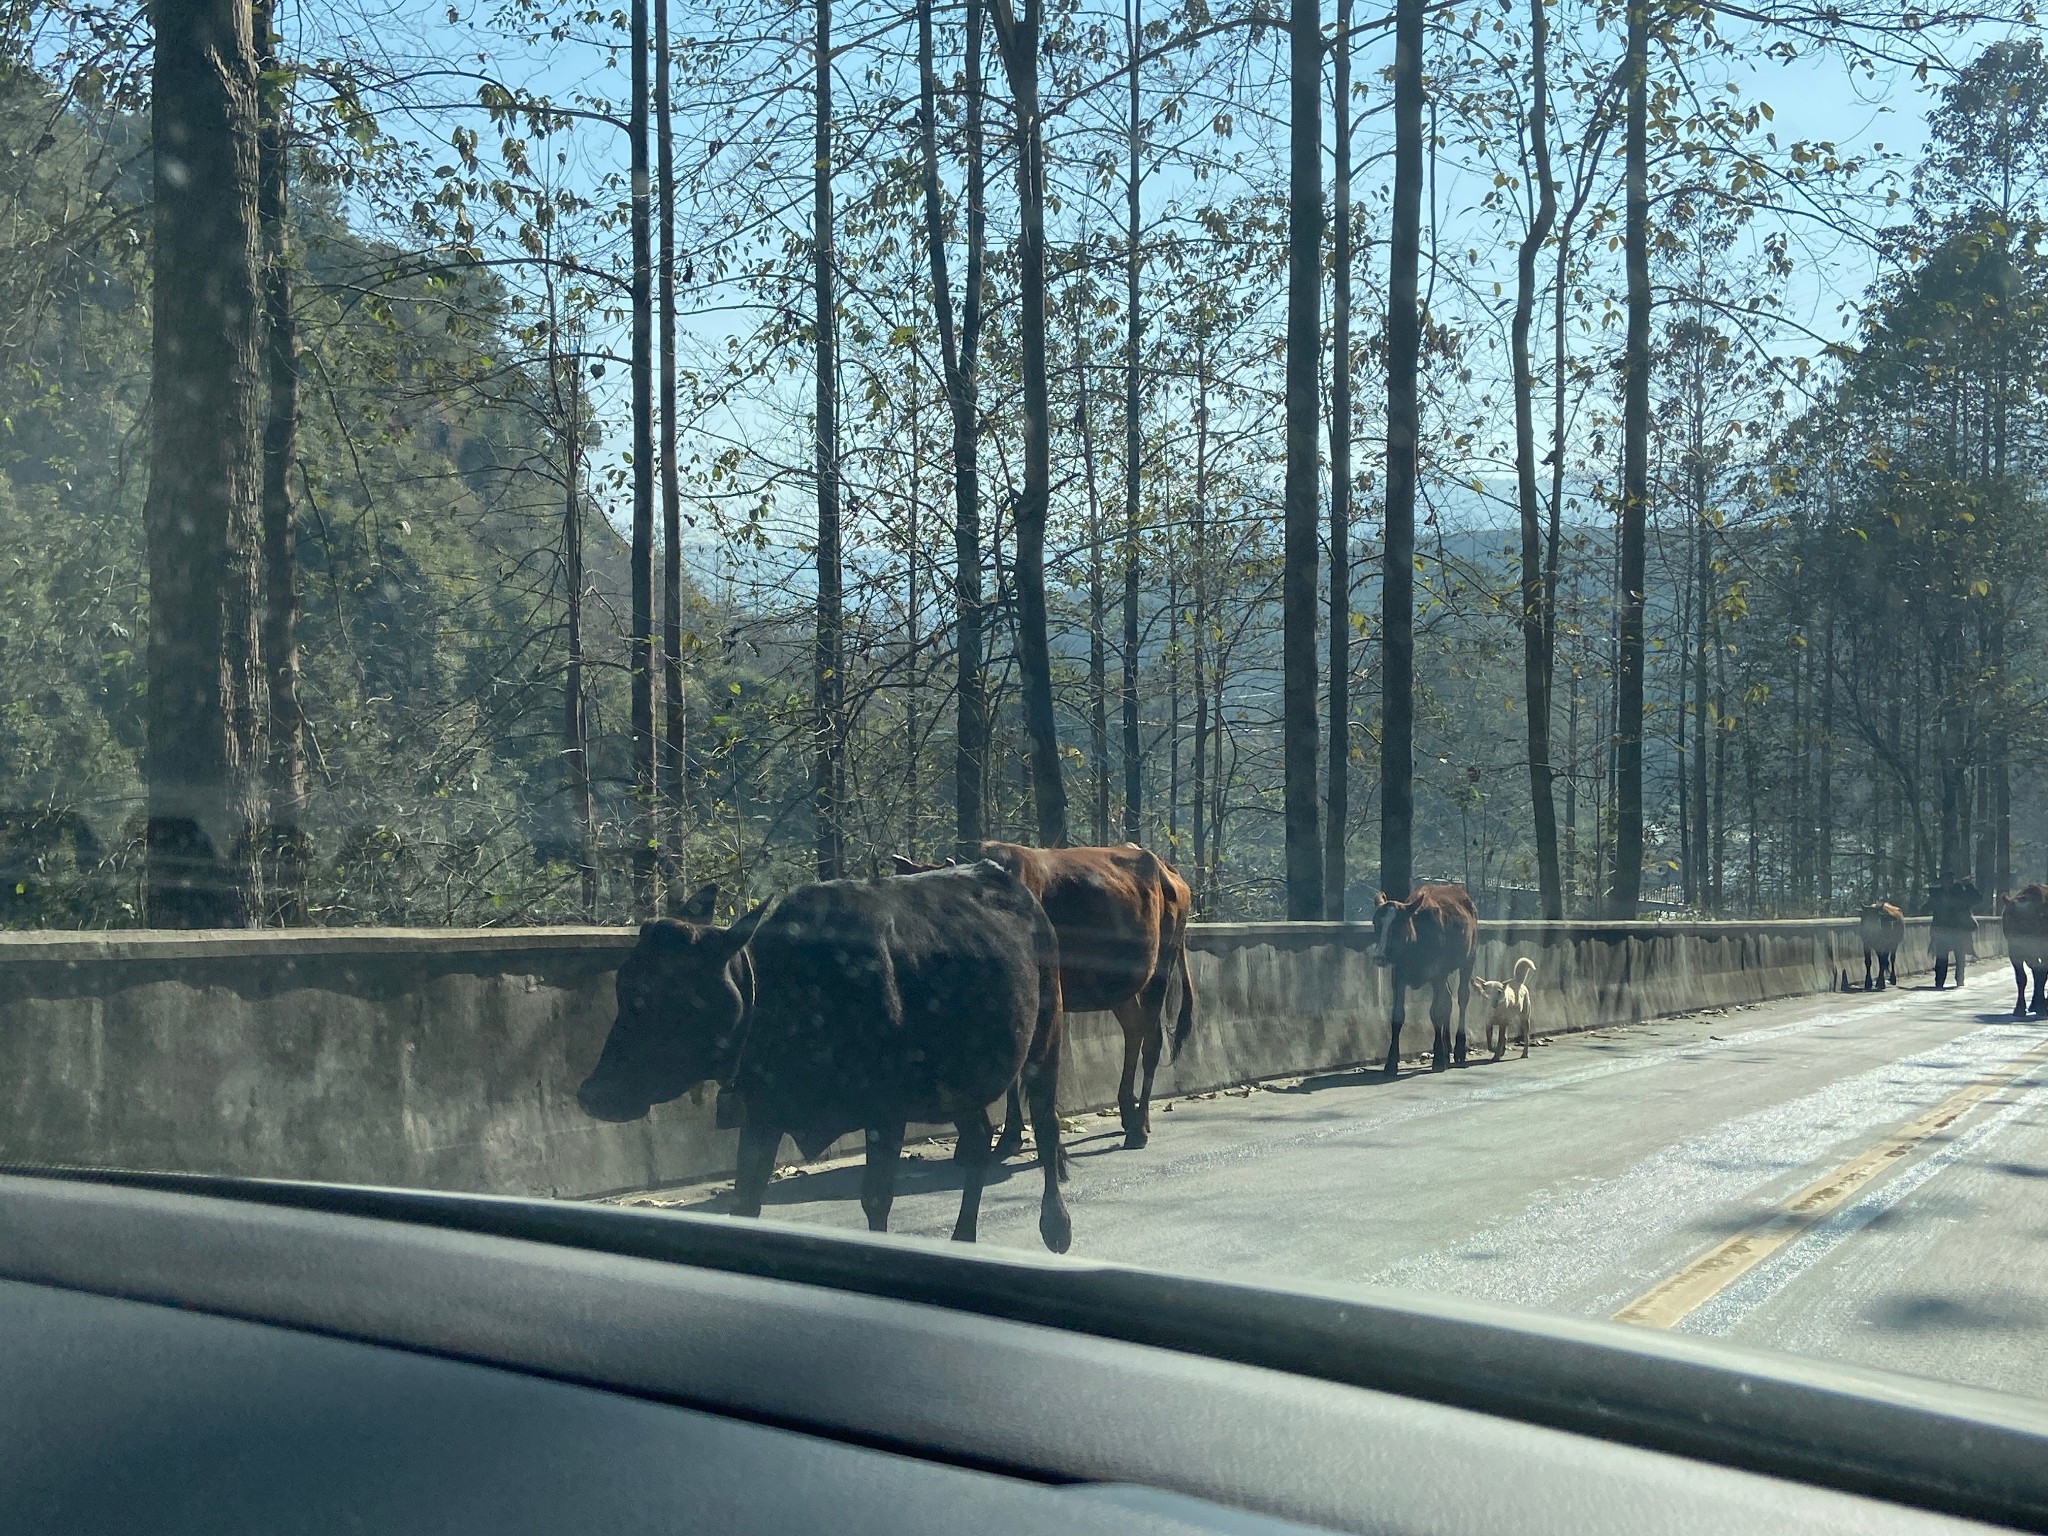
(1862, 1178)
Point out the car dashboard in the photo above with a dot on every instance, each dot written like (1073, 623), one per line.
(195, 1354)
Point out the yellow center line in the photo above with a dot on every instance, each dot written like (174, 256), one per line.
(1677, 1295)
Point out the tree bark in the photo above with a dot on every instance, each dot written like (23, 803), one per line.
(201, 515)
(1198, 583)
(1298, 575)
(1536, 658)
(675, 716)
(575, 713)
(1635, 486)
(287, 849)
(1337, 804)
(828, 689)
(1404, 349)
(1134, 442)
(646, 828)
(1704, 723)
(959, 352)
(1018, 38)
(1098, 678)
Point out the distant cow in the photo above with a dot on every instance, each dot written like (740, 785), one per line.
(1883, 929)
(1507, 1008)
(1953, 932)
(875, 1004)
(1424, 941)
(2025, 921)
(1122, 919)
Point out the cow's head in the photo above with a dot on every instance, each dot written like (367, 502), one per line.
(681, 1013)
(1393, 924)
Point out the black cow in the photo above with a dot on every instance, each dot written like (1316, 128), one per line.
(1953, 932)
(874, 1004)
(2025, 920)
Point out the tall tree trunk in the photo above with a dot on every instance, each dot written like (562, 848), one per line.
(675, 716)
(1337, 806)
(1635, 480)
(201, 517)
(646, 827)
(1213, 885)
(828, 690)
(1404, 426)
(575, 712)
(1536, 660)
(1098, 677)
(1721, 733)
(1134, 441)
(1018, 38)
(287, 849)
(1704, 724)
(1198, 578)
(958, 351)
(1298, 574)
(1173, 659)
(1824, 807)
(913, 519)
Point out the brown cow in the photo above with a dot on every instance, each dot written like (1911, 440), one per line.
(2025, 921)
(1882, 927)
(1424, 941)
(1121, 915)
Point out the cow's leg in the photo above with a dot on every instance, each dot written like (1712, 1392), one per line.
(1011, 1142)
(1464, 1006)
(758, 1146)
(1041, 1083)
(1959, 967)
(1866, 970)
(1400, 1017)
(974, 1135)
(1940, 969)
(1440, 1025)
(2019, 983)
(878, 1178)
(1127, 1106)
(2040, 981)
(1139, 1017)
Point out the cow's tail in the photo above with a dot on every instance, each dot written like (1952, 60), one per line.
(1184, 1023)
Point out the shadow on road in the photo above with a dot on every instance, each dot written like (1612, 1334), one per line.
(1934, 1314)
(920, 1171)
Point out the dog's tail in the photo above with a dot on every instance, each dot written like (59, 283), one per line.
(1525, 971)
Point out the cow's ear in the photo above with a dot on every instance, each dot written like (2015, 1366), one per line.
(735, 938)
(702, 903)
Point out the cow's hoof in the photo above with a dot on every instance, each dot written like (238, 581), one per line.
(1134, 1141)
(1008, 1147)
(1439, 1065)
(1056, 1228)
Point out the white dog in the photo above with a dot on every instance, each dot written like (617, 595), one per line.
(1507, 1007)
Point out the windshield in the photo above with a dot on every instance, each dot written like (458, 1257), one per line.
(1368, 646)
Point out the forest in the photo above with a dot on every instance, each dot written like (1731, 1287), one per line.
(515, 464)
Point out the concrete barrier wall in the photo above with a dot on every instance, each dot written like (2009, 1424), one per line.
(450, 1059)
